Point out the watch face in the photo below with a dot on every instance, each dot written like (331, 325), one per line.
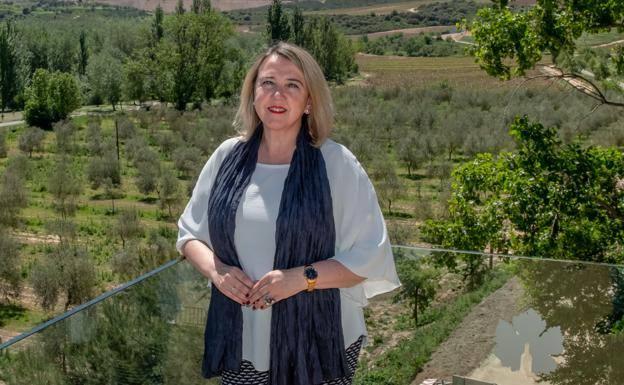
(310, 272)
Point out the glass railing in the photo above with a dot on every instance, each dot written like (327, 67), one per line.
(496, 320)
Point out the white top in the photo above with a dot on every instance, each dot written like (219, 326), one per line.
(362, 243)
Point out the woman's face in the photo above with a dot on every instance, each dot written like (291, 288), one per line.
(281, 95)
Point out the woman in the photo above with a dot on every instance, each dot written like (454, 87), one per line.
(286, 225)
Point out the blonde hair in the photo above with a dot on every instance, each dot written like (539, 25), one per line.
(321, 117)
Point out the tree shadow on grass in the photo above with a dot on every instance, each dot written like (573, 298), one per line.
(397, 215)
(10, 312)
(414, 176)
(149, 200)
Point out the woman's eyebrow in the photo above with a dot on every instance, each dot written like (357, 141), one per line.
(273, 78)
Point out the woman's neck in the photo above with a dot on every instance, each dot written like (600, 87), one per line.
(277, 148)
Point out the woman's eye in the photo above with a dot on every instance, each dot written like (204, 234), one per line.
(293, 85)
(267, 83)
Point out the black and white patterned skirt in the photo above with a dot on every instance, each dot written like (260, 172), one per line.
(250, 376)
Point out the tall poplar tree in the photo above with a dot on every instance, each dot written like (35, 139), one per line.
(8, 66)
(278, 28)
(84, 54)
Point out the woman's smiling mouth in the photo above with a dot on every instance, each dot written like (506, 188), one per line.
(277, 109)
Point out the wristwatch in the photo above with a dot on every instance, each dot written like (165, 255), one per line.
(310, 274)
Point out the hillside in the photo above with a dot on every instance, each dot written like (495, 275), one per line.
(169, 5)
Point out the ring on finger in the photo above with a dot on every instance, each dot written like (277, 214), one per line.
(268, 300)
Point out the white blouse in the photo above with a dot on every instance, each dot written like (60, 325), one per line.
(362, 243)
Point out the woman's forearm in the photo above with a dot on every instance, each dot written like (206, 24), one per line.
(331, 274)
(201, 257)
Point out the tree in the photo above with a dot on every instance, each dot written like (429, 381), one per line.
(65, 186)
(387, 183)
(168, 190)
(95, 143)
(3, 145)
(10, 271)
(548, 199)
(187, 160)
(65, 269)
(179, 10)
(147, 176)
(419, 283)
(333, 51)
(13, 196)
(277, 23)
(104, 167)
(51, 97)
(194, 56)
(65, 141)
(105, 74)
(128, 226)
(297, 25)
(157, 24)
(84, 54)
(9, 87)
(136, 73)
(503, 37)
(31, 140)
(412, 151)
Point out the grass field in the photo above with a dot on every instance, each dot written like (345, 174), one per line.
(422, 71)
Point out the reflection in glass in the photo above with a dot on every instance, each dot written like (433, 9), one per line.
(552, 323)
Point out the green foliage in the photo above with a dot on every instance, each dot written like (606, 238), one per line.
(128, 226)
(9, 80)
(31, 140)
(168, 190)
(419, 283)
(65, 186)
(13, 196)
(65, 137)
(551, 26)
(421, 45)
(333, 51)
(51, 97)
(83, 59)
(387, 183)
(10, 270)
(3, 144)
(103, 168)
(278, 28)
(548, 199)
(65, 269)
(104, 72)
(193, 55)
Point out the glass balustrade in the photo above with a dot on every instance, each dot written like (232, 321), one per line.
(540, 321)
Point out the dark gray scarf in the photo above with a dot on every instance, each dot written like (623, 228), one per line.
(307, 345)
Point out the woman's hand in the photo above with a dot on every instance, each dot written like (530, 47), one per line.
(232, 282)
(278, 285)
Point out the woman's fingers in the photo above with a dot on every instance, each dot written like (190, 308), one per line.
(260, 289)
(234, 295)
(242, 278)
(234, 283)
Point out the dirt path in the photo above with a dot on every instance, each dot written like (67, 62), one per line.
(457, 37)
(473, 340)
(608, 44)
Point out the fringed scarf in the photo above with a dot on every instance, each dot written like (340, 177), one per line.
(307, 345)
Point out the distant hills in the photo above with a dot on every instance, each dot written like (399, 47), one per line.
(169, 5)
(226, 5)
